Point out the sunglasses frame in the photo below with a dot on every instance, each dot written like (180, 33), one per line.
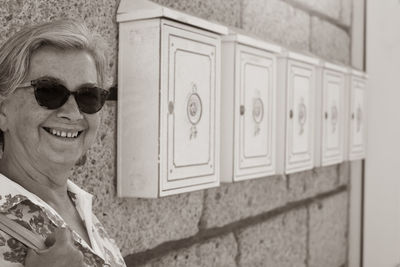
(104, 94)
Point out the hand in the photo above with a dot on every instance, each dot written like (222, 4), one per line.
(60, 252)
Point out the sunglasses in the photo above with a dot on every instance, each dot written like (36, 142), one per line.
(51, 94)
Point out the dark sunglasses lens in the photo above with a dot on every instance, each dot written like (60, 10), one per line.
(50, 94)
(91, 99)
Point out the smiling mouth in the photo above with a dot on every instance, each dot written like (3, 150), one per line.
(63, 134)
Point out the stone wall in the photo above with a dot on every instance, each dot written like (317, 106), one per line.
(294, 220)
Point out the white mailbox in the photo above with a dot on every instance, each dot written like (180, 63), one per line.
(168, 101)
(332, 115)
(298, 78)
(248, 108)
(358, 115)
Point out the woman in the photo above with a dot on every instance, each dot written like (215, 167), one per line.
(51, 77)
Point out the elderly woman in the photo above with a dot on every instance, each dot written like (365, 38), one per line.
(51, 80)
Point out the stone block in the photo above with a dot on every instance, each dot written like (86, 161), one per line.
(310, 183)
(136, 224)
(329, 41)
(344, 173)
(277, 21)
(217, 252)
(140, 224)
(346, 12)
(232, 202)
(339, 10)
(328, 231)
(223, 11)
(330, 8)
(280, 241)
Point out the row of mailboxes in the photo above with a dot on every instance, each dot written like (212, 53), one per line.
(198, 104)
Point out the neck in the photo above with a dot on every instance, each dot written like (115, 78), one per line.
(48, 184)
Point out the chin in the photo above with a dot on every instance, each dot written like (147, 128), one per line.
(64, 159)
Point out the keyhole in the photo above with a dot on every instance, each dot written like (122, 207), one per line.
(242, 110)
(171, 107)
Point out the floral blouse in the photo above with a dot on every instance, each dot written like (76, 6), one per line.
(34, 214)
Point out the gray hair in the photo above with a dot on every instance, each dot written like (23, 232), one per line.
(64, 34)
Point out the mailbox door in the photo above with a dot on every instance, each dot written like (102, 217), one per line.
(189, 108)
(255, 90)
(300, 116)
(332, 117)
(357, 119)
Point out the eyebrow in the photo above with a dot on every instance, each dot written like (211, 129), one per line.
(52, 79)
(62, 82)
(27, 84)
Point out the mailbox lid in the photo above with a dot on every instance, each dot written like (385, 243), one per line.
(251, 41)
(333, 115)
(255, 119)
(189, 108)
(129, 10)
(300, 110)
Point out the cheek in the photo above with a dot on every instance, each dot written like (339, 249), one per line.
(26, 131)
(29, 123)
(94, 123)
(27, 118)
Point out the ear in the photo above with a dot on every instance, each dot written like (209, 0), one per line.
(3, 116)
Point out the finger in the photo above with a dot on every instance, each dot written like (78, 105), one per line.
(79, 256)
(59, 236)
(76, 256)
(63, 235)
(31, 253)
(50, 240)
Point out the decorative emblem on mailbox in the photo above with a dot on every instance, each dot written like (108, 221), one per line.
(258, 113)
(194, 110)
(302, 118)
(359, 118)
(334, 117)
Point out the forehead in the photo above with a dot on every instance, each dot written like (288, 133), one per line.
(72, 67)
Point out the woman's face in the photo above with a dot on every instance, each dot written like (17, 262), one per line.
(30, 128)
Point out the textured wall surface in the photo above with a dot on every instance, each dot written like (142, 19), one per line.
(281, 241)
(232, 202)
(329, 41)
(328, 234)
(219, 251)
(272, 19)
(294, 220)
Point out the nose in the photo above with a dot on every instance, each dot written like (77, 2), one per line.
(70, 110)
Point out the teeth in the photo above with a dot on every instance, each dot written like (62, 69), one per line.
(63, 133)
